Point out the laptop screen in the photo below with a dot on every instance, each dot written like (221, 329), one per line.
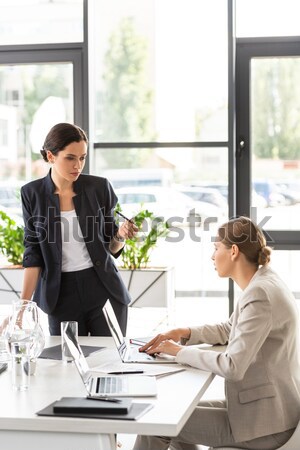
(113, 325)
(77, 354)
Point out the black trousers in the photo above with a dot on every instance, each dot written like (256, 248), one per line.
(82, 297)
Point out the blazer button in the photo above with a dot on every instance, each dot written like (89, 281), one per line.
(97, 263)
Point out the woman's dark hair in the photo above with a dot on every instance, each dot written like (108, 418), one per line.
(248, 237)
(61, 135)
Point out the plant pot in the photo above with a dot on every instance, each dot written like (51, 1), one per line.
(150, 287)
(11, 278)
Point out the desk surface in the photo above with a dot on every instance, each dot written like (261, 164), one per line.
(178, 394)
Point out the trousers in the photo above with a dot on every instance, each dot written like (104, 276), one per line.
(209, 425)
(82, 296)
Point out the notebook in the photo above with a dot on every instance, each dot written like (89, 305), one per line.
(91, 406)
(108, 386)
(129, 353)
(136, 411)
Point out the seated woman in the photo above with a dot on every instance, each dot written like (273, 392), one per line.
(261, 365)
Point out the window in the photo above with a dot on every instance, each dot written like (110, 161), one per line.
(41, 21)
(267, 18)
(161, 123)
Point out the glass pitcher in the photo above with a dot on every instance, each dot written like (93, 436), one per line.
(24, 326)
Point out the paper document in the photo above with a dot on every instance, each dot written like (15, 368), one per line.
(155, 370)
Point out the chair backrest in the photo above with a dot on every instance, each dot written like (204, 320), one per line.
(294, 441)
(292, 444)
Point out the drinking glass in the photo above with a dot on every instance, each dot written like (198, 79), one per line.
(20, 365)
(4, 349)
(65, 352)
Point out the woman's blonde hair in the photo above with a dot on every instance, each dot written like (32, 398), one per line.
(249, 238)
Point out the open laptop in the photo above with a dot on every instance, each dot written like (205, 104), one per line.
(108, 386)
(128, 353)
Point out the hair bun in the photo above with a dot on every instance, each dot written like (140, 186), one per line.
(264, 255)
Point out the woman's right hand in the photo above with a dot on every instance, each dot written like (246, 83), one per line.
(174, 335)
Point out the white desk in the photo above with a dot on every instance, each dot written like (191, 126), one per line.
(21, 427)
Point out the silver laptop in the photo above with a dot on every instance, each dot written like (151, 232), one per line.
(128, 353)
(108, 386)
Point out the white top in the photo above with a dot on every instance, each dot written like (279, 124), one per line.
(74, 252)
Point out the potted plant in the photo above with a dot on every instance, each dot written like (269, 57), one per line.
(12, 248)
(148, 286)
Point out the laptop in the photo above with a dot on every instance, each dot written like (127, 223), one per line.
(128, 353)
(108, 386)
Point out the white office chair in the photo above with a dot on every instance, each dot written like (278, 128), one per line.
(292, 444)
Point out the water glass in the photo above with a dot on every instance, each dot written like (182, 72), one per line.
(65, 352)
(20, 365)
(4, 349)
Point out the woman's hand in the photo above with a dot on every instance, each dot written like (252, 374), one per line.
(127, 230)
(168, 346)
(166, 342)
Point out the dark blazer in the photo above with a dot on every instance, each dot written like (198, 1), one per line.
(94, 204)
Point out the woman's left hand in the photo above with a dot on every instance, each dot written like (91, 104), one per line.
(168, 346)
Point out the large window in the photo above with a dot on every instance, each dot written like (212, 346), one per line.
(268, 117)
(152, 82)
(148, 86)
(161, 124)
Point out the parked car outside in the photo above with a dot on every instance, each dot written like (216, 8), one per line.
(222, 190)
(269, 191)
(175, 207)
(10, 197)
(290, 190)
(204, 194)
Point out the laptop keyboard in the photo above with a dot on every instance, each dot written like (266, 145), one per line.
(135, 355)
(111, 385)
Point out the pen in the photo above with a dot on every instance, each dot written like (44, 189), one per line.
(124, 217)
(104, 399)
(126, 372)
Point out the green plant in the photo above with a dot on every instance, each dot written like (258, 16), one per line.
(11, 239)
(137, 251)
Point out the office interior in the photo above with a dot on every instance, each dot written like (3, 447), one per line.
(186, 104)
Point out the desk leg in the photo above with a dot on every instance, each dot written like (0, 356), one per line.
(37, 440)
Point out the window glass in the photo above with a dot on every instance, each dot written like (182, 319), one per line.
(33, 97)
(275, 135)
(40, 21)
(160, 77)
(166, 181)
(267, 18)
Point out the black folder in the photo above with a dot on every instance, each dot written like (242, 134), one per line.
(91, 406)
(136, 411)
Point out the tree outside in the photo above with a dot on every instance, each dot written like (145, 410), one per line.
(127, 99)
(275, 106)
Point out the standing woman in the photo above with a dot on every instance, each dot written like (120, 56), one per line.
(261, 364)
(70, 238)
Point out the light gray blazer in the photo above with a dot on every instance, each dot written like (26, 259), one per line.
(261, 365)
